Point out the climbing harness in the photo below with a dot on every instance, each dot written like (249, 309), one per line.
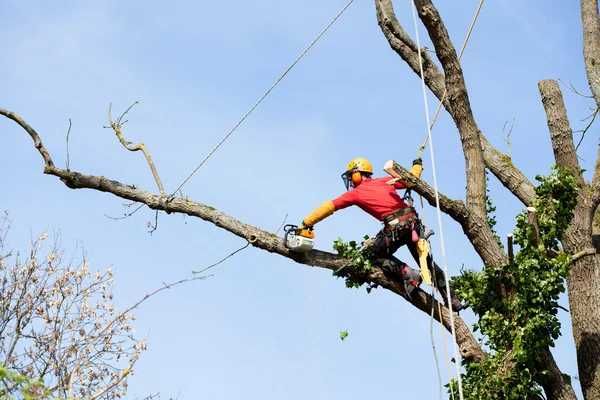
(265, 95)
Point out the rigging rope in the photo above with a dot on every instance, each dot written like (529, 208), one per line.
(457, 356)
(264, 95)
(462, 51)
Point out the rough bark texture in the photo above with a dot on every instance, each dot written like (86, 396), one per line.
(584, 296)
(497, 162)
(478, 151)
(511, 177)
(259, 238)
(561, 133)
(559, 387)
(584, 276)
(461, 107)
(591, 45)
(596, 184)
(406, 48)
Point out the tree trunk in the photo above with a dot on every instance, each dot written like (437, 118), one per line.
(584, 297)
(591, 45)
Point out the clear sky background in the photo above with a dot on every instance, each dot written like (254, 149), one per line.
(263, 327)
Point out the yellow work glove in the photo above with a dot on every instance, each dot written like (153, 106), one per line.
(417, 168)
(319, 214)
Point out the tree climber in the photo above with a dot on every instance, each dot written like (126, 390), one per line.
(402, 226)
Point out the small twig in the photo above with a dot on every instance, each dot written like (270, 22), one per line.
(248, 243)
(511, 251)
(563, 308)
(583, 253)
(584, 130)
(507, 129)
(165, 286)
(578, 93)
(282, 224)
(153, 227)
(68, 133)
(126, 215)
(117, 127)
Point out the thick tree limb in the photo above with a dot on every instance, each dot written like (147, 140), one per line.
(259, 238)
(476, 230)
(590, 21)
(559, 386)
(454, 208)
(500, 165)
(508, 174)
(461, 107)
(406, 48)
(561, 133)
(37, 142)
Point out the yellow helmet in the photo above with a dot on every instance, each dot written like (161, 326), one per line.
(360, 164)
(356, 168)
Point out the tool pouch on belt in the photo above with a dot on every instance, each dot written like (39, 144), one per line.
(401, 221)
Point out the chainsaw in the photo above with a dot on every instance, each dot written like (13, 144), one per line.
(297, 239)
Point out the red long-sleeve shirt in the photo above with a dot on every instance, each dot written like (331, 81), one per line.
(374, 196)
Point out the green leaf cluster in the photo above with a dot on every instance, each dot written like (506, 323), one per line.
(360, 262)
(517, 304)
(15, 386)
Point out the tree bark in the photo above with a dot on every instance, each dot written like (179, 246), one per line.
(584, 296)
(500, 164)
(584, 277)
(468, 346)
(461, 107)
(591, 45)
(559, 387)
(478, 153)
(561, 133)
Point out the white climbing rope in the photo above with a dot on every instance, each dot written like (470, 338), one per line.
(457, 356)
(267, 92)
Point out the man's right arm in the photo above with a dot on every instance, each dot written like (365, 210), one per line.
(328, 208)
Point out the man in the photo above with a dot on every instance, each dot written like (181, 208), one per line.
(378, 197)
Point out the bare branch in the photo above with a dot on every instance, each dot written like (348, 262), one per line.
(406, 48)
(555, 384)
(510, 176)
(67, 139)
(583, 253)
(583, 131)
(591, 45)
(259, 238)
(117, 127)
(560, 130)
(461, 107)
(454, 208)
(37, 142)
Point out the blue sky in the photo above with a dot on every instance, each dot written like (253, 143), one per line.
(263, 327)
